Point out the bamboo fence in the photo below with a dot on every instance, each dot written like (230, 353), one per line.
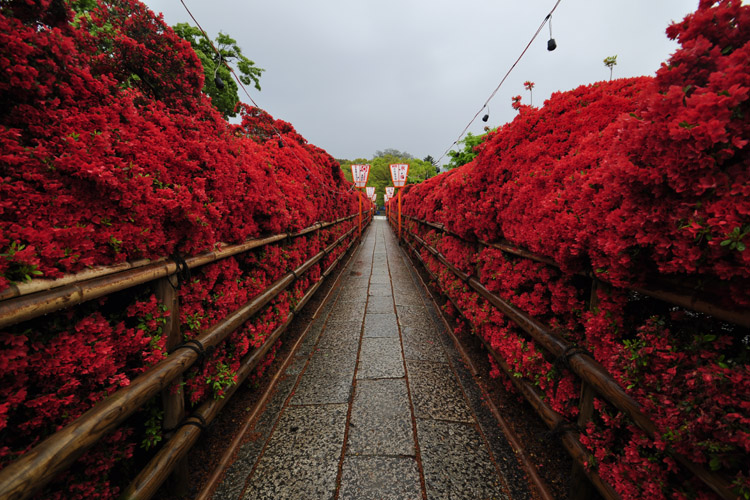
(594, 378)
(33, 470)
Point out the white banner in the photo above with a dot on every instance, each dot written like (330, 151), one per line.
(360, 174)
(390, 191)
(370, 191)
(399, 173)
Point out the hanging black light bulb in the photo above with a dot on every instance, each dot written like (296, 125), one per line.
(551, 44)
(486, 117)
(217, 79)
(219, 82)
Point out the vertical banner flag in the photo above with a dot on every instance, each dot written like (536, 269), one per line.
(390, 191)
(360, 173)
(399, 172)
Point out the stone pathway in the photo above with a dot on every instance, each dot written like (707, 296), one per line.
(377, 404)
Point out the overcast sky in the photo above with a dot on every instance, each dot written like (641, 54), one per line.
(356, 76)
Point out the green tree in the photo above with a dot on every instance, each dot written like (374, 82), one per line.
(380, 171)
(467, 154)
(610, 62)
(219, 84)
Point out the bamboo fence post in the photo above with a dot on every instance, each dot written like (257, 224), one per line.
(580, 487)
(173, 398)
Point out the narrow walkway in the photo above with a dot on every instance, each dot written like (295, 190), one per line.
(377, 404)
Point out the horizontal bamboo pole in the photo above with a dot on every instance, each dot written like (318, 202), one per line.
(587, 369)
(677, 294)
(39, 285)
(111, 280)
(151, 477)
(27, 475)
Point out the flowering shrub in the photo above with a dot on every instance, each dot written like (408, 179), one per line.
(627, 179)
(109, 152)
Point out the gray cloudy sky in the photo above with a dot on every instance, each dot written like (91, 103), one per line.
(356, 76)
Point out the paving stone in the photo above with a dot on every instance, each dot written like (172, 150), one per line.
(280, 478)
(379, 277)
(422, 344)
(233, 482)
(456, 463)
(360, 280)
(379, 478)
(267, 419)
(435, 392)
(407, 299)
(380, 357)
(310, 338)
(342, 336)
(346, 312)
(309, 431)
(351, 294)
(380, 290)
(296, 366)
(381, 419)
(380, 305)
(328, 378)
(417, 317)
(381, 325)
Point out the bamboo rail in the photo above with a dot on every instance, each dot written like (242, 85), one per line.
(151, 477)
(29, 473)
(585, 367)
(48, 296)
(673, 292)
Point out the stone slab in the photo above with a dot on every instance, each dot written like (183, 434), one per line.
(341, 336)
(380, 305)
(380, 421)
(435, 392)
(309, 431)
(380, 357)
(381, 325)
(280, 478)
(379, 478)
(456, 463)
(380, 290)
(421, 344)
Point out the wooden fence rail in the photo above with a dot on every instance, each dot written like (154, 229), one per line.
(590, 372)
(32, 471)
(673, 291)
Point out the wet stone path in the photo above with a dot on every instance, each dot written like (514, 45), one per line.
(377, 403)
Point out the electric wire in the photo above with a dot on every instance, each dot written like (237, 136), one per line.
(486, 103)
(242, 86)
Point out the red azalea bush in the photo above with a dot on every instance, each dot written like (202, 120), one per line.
(627, 179)
(109, 152)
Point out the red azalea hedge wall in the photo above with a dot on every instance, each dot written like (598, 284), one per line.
(108, 153)
(629, 179)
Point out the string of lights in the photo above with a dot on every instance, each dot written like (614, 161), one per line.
(551, 45)
(325, 186)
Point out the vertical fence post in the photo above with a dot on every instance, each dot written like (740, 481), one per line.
(399, 212)
(173, 398)
(359, 192)
(580, 487)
